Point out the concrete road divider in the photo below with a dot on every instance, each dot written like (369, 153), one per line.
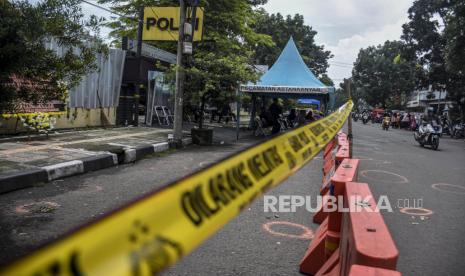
(329, 157)
(360, 270)
(342, 153)
(328, 234)
(366, 240)
(314, 257)
(320, 215)
(366, 246)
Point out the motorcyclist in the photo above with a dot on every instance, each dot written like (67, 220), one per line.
(386, 114)
(365, 116)
(427, 118)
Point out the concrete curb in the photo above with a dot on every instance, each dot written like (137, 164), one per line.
(64, 169)
(25, 179)
(98, 162)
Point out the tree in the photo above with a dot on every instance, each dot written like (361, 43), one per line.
(383, 76)
(280, 29)
(341, 97)
(435, 34)
(222, 60)
(454, 20)
(29, 71)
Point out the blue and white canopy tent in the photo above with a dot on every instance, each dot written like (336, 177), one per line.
(312, 102)
(289, 77)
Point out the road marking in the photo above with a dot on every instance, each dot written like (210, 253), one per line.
(363, 158)
(443, 188)
(90, 189)
(416, 211)
(365, 173)
(37, 207)
(307, 233)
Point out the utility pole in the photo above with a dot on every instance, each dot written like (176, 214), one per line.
(179, 91)
(139, 32)
(193, 20)
(140, 25)
(349, 122)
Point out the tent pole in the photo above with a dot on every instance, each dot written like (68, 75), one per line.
(253, 111)
(326, 104)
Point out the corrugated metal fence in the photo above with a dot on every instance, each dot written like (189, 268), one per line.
(100, 88)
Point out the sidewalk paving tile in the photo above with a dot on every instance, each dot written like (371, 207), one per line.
(39, 151)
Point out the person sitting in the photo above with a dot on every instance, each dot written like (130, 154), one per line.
(292, 117)
(309, 117)
(301, 118)
(265, 118)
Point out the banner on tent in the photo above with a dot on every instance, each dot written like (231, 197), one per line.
(284, 89)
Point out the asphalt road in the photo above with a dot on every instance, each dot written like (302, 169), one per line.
(259, 243)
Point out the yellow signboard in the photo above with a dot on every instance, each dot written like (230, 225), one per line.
(162, 23)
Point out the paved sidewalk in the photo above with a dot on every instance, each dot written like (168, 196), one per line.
(61, 147)
(59, 206)
(25, 161)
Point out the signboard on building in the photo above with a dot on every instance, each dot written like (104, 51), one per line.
(152, 52)
(162, 23)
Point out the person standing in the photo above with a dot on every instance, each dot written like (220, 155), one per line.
(413, 122)
(275, 110)
(225, 112)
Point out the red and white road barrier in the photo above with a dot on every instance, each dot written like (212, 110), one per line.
(354, 242)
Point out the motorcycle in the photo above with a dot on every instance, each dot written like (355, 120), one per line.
(427, 134)
(457, 130)
(365, 119)
(355, 117)
(386, 123)
(446, 127)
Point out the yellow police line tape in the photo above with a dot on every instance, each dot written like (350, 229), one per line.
(155, 231)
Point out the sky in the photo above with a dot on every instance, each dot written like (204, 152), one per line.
(343, 26)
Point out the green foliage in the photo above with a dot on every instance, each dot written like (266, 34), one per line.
(32, 73)
(381, 76)
(236, 36)
(280, 29)
(341, 97)
(326, 80)
(222, 60)
(455, 36)
(435, 34)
